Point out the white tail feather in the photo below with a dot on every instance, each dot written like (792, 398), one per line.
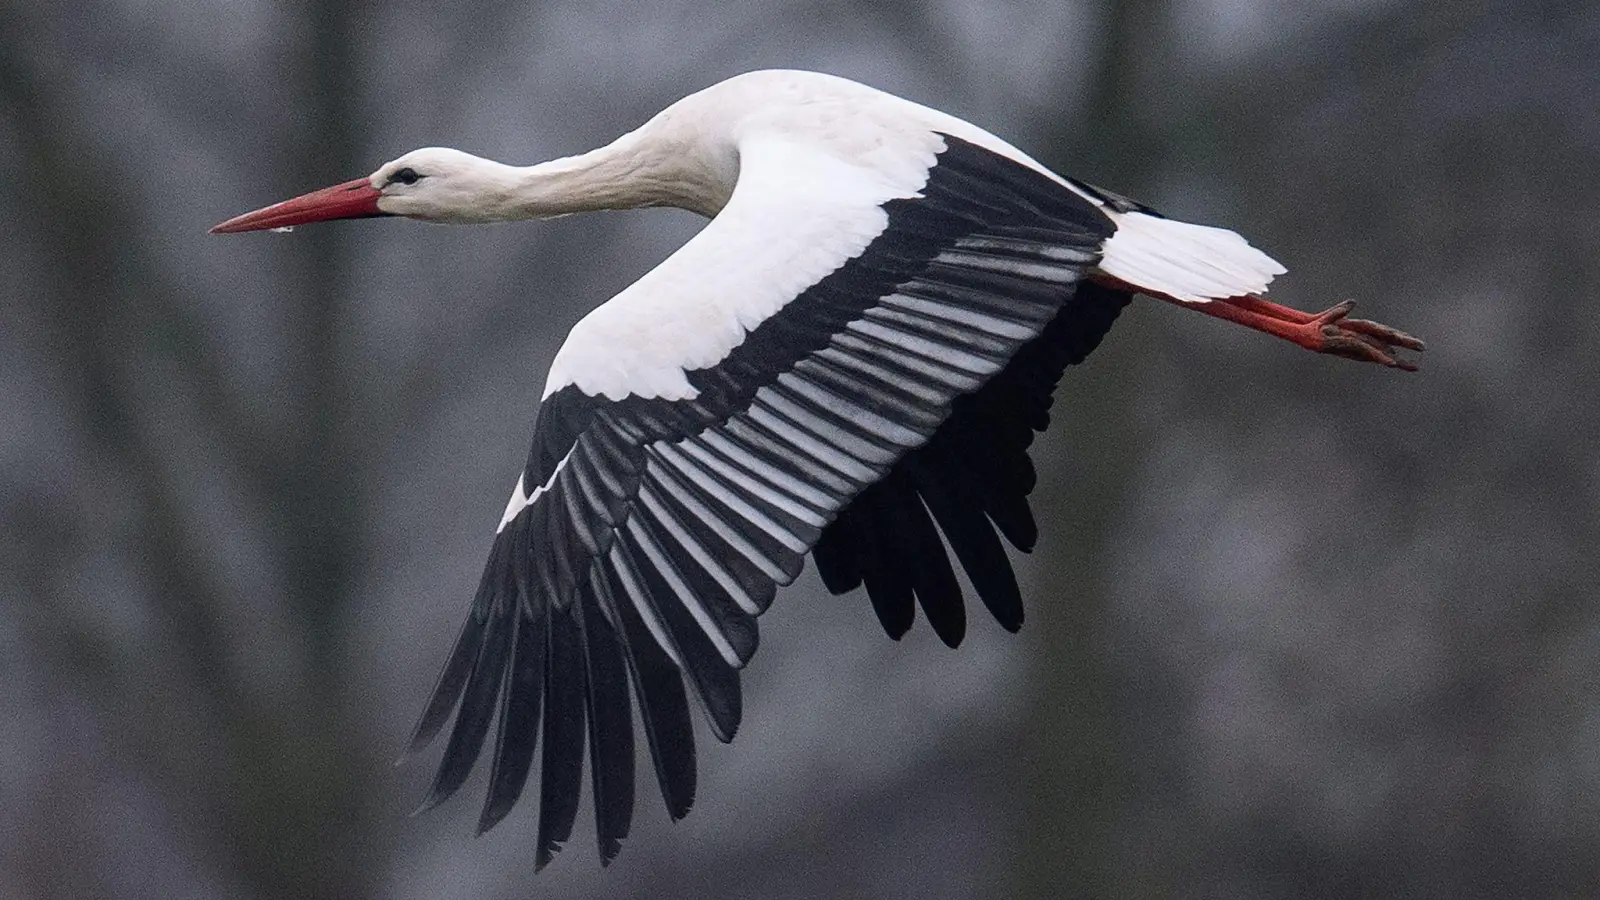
(1192, 263)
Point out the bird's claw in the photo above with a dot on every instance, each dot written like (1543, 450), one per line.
(1363, 339)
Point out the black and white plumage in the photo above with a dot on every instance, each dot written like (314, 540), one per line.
(849, 361)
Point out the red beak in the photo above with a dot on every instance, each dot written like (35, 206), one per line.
(352, 200)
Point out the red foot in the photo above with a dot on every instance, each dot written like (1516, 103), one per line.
(1329, 331)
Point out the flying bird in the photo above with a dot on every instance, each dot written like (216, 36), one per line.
(849, 361)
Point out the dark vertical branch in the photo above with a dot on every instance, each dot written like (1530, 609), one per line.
(323, 476)
(307, 798)
(1075, 772)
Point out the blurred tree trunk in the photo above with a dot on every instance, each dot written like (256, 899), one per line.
(272, 788)
(1074, 765)
(310, 806)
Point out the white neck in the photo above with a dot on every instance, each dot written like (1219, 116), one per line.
(642, 168)
(628, 173)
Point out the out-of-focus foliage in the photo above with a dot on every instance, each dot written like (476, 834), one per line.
(1297, 627)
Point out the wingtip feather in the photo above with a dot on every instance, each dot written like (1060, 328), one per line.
(492, 816)
(430, 802)
(544, 855)
(677, 812)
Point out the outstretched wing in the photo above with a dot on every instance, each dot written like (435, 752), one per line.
(703, 429)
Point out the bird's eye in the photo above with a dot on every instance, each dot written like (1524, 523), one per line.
(407, 175)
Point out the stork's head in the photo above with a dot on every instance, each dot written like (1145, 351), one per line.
(435, 184)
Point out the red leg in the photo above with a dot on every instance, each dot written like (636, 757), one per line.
(1383, 334)
(1273, 310)
(1329, 331)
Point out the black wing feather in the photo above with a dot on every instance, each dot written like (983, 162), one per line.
(610, 728)
(959, 513)
(883, 571)
(715, 682)
(514, 747)
(837, 565)
(561, 767)
(933, 579)
(733, 623)
(663, 704)
(447, 687)
(478, 698)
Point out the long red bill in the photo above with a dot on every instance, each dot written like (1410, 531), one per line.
(356, 199)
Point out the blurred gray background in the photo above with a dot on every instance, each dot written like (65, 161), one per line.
(1297, 627)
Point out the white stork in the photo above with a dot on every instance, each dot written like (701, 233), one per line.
(850, 361)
